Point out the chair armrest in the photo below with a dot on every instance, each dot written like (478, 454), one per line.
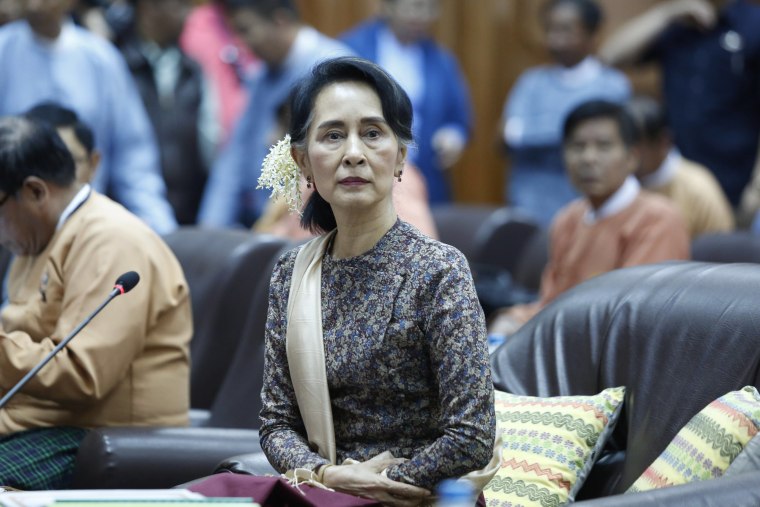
(255, 463)
(199, 418)
(146, 458)
(737, 491)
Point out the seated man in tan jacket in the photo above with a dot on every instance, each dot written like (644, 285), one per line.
(615, 224)
(130, 365)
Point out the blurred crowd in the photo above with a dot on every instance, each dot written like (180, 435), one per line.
(185, 98)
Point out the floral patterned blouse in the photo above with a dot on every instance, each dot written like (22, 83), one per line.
(406, 358)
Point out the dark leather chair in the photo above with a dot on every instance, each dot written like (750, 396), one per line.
(459, 224)
(492, 239)
(533, 260)
(502, 238)
(5, 262)
(220, 266)
(486, 235)
(238, 402)
(156, 458)
(677, 335)
(738, 246)
(164, 457)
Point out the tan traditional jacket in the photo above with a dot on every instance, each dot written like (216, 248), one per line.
(130, 366)
(698, 196)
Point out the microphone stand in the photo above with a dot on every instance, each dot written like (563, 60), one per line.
(21, 383)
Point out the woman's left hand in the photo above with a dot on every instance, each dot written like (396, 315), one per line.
(365, 480)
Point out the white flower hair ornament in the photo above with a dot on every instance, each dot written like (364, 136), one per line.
(280, 173)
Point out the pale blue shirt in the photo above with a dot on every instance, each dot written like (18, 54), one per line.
(231, 197)
(405, 62)
(543, 97)
(82, 71)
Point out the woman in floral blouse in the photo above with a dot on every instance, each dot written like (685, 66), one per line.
(404, 340)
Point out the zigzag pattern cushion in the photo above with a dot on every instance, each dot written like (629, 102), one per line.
(549, 446)
(707, 445)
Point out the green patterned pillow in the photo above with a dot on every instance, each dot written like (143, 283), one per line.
(748, 460)
(549, 445)
(707, 445)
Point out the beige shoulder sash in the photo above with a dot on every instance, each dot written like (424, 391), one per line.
(305, 347)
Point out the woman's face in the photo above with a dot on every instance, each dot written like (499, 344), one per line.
(352, 155)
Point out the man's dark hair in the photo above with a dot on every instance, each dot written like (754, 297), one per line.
(649, 117)
(58, 116)
(32, 148)
(601, 109)
(264, 8)
(397, 111)
(591, 13)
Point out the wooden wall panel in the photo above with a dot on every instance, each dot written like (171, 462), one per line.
(335, 16)
(495, 40)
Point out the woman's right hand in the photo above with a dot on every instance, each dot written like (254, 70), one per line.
(365, 480)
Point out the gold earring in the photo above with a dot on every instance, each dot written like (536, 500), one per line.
(308, 182)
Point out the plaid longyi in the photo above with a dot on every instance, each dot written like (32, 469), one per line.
(39, 459)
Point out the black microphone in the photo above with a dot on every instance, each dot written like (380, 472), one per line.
(124, 284)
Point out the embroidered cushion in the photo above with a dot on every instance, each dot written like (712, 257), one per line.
(549, 445)
(748, 460)
(707, 445)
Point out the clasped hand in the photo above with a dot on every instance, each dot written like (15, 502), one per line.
(365, 480)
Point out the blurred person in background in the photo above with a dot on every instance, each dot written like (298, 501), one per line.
(111, 19)
(76, 135)
(46, 57)
(91, 14)
(400, 41)
(708, 52)
(541, 99)
(288, 49)
(663, 170)
(178, 100)
(227, 63)
(615, 224)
